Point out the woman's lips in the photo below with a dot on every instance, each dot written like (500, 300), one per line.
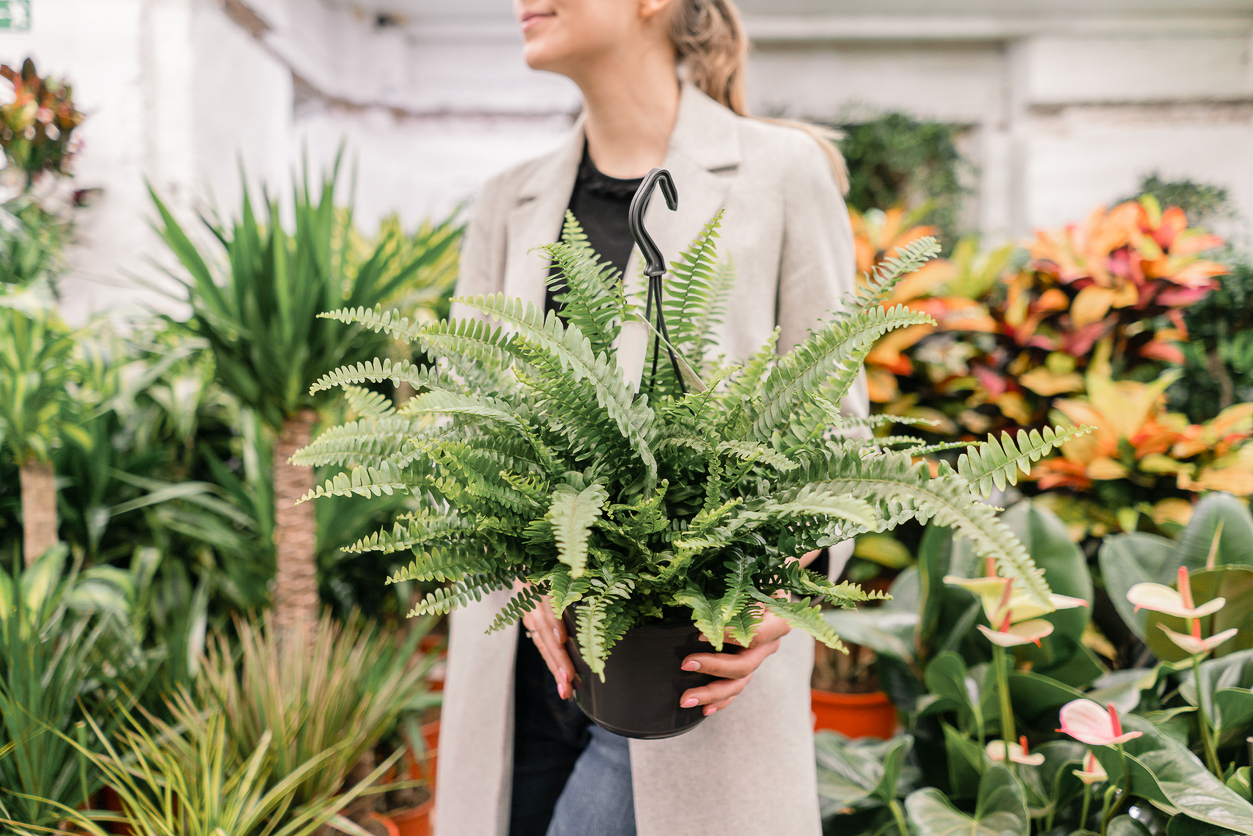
(531, 19)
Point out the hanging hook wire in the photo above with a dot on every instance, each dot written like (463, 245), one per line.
(654, 262)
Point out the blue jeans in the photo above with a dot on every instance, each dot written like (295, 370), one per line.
(598, 800)
(570, 777)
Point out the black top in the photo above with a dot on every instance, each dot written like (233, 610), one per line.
(600, 204)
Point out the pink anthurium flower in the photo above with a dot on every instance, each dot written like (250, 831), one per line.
(1087, 722)
(1013, 635)
(1001, 594)
(1017, 752)
(1091, 772)
(1194, 644)
(1163, 599)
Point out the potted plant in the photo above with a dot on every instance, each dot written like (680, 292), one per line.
(657, 516)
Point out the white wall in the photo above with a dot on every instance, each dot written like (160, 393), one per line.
(1066, 104)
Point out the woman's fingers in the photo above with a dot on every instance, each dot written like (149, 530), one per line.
(731, 665)
(718, 691)
(549, 636)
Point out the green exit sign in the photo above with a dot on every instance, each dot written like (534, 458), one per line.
(15, 15)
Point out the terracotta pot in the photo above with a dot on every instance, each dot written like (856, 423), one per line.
(392, 829)
(114, 805)
(431, 643)
(415, 822)
(425, 768)
(854, 715)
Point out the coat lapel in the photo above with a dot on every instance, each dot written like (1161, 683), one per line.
(536, 219)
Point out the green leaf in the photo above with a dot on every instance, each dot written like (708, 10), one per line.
(572, 514)
(1170, 777)
(1215, 511)
(1129, 559)
(1000, 811)
(862, 774)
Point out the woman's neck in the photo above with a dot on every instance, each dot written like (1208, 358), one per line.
(630, 113)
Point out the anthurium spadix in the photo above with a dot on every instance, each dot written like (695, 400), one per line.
(1161, 598)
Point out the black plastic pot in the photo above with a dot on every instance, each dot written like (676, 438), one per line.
(643, 681)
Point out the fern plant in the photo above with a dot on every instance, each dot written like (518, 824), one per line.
(533, 460)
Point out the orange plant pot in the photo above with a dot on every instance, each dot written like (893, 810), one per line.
(415, 822)
(425, 768)
(854, 715)
(392, 829)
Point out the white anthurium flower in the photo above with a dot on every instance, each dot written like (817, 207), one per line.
(1160, 598)
(1091, 772)
(1013, 635)
(1194, 644)
(1001, 595)
(1017, 752)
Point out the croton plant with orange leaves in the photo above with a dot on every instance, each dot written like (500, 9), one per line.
(1018, 330)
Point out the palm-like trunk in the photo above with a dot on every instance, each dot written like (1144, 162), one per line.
(295, 540)
(39, 508)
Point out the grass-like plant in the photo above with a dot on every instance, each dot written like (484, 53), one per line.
(340, 689)
(192, 778)
(548, 468)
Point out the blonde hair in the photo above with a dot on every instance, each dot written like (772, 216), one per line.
(712, 46)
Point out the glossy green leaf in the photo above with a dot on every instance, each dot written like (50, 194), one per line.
(1129, 559)
(967, 762)
(1000, 810)
(861, 774)
(1235, 545)
(1124, 825)
(1168, 775)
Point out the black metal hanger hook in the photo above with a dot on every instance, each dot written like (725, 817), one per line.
(654, 263)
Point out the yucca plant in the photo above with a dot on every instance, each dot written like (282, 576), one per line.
(260, 316)
(191, 778)
(339, 689)
(548, 469)
(36, 366)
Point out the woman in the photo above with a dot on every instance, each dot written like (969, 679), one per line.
(516, 757)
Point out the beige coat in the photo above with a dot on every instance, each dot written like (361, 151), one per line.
(749, 770)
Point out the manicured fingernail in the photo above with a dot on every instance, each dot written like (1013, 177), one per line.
(690, 702)
(691, 666)
(709, 709)
(557, 633)
(561, 691)
(565, 676)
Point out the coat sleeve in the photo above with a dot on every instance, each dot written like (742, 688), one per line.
(482, 265)
(817, 266)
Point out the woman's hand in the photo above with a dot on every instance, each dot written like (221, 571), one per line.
(735, 669)
(549, 635)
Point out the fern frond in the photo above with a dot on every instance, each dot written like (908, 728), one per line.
(442, 564)
(368, 441)
(894, 478)
(692, 294)
(564, 590)
(572, 515)
(705, 614)
(523, 601)
(369, 404)
(445, 599)
(376, 320)
(891, 270)
(751, 451)
(598, 628)
(803, 616)
(377, 371)
(834, 352)
(361, 481)
(992, 463)
(413, 533)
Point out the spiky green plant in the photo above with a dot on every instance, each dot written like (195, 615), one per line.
(547, 468)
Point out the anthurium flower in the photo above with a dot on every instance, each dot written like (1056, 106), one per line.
(1194, 644)
(1012, 635)
(1160, 598)
(1002, 595)
(1091, 772)
(1017, 752)
(1087, 722)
